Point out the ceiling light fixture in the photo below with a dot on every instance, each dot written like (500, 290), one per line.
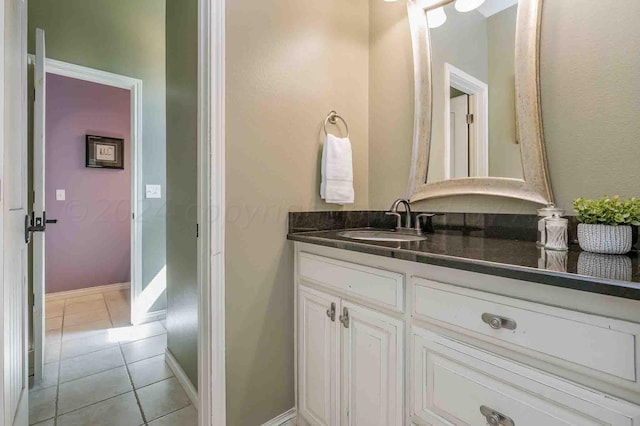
(468, 5)
(436, 17)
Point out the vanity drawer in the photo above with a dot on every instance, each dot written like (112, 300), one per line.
(379, 286)
(457, 384)
(601, 344)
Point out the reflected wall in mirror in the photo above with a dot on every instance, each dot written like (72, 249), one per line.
(478, 127)
(473, 80)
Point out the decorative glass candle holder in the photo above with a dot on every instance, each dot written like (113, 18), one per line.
(557, 237)
(545, 214)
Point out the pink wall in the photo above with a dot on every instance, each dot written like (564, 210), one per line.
(90, 244)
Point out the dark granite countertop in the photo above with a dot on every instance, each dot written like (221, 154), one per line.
(617, 276)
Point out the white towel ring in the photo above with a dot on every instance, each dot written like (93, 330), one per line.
(332, 119)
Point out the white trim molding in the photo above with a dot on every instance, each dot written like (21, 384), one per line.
(60, 295)
(184, 381)
(285, 419)
(211, 213)
(151, 317)
(479, 107)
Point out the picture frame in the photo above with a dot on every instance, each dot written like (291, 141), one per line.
(104, 152)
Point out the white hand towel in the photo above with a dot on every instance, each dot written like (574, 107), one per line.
(337, 171)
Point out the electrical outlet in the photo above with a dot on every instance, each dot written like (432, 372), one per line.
(61, 195)
(153, 191)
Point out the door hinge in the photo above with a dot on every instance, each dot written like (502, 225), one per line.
(197, 230)
(470, 118)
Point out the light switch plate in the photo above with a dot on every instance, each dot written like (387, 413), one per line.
(153, 191)
(60, 195)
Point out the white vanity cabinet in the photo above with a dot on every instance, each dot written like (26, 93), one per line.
(387, 342)
(350, 365)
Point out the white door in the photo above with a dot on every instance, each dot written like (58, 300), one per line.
(459, 136)
(13, 177)
(372, 382)
(40, 85)
(318, 357)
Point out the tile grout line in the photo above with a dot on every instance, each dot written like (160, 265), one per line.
(92, 404)
(110, 368)
(173, 411)
(133, 387)
(114, 345)
(126, 366)
(64, 308)
(55, 412)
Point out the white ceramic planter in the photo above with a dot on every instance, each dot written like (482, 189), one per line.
(605, 239)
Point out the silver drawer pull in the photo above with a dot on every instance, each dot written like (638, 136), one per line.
(331, 312)
(495, 418)
(344, 318)
(497, 322)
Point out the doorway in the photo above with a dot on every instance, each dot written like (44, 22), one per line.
(94, 239)
(466, 125)
(210, 140)
(93, 358)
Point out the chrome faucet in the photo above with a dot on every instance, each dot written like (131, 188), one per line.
(394, 212)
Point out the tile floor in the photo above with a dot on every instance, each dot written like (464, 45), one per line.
(99, 370)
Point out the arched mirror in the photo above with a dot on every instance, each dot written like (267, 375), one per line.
(478, 126)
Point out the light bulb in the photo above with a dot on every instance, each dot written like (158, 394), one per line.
(436, 17)
(468, 5)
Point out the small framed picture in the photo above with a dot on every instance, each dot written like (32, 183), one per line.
(104, 152)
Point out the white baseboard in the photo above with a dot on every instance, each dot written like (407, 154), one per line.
(284, 419)
(184, 381)
(151, 317)
(86, 291)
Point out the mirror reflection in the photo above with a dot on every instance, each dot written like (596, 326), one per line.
(474, 123)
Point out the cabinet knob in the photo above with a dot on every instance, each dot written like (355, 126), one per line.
(331, 312)
(495, 418)
(497, 322)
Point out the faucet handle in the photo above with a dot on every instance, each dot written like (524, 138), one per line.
(398, 218)
(418, 227)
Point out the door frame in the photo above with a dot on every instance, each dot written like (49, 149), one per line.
(211, 213)
(478, 92)
(134, 86)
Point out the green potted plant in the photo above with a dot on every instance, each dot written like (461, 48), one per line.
(605, 224)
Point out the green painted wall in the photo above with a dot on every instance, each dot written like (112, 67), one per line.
(182, 134)
(288, 63)
(128, 38)
(589, 92)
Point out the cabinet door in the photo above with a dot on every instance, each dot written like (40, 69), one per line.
(372, 382)
(318, 357)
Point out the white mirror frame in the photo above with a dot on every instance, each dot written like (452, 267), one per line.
(536, 185)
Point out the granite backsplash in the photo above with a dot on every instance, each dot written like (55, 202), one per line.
(501, 226)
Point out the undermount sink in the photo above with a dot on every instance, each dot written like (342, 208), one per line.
(388, 236)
